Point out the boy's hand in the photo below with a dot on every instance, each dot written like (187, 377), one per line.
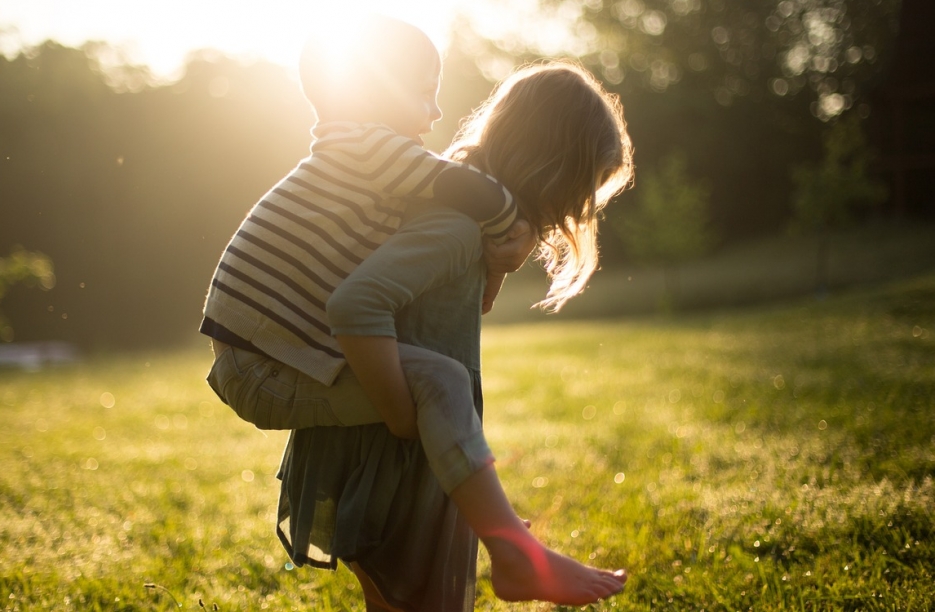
(510, 256)
(494, 282)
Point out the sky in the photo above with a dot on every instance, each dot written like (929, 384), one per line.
(161, 33)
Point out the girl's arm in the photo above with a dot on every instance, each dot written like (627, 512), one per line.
(429, 251)
(375, 361)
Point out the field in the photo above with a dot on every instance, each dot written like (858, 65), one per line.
(770, 458)
(763, 269)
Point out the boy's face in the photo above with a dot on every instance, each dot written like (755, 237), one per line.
(416, 107)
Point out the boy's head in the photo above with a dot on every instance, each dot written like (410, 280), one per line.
(378, 69)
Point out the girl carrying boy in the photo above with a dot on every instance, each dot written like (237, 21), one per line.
(355, 491)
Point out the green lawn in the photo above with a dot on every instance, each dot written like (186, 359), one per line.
(761, 270)
(770, 458)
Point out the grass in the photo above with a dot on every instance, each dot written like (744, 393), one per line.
(777, 458)
(763, 270)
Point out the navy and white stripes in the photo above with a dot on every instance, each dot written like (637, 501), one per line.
(315, 226)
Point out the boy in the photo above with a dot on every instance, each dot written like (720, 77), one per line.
(266, 303)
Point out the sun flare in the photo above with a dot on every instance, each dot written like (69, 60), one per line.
(162, 34)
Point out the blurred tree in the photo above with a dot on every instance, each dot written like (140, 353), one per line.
(669, 224)
(28, 267)
(902, 127)
(133, 189)
(826, 194)
(732, 48)
(736, 84)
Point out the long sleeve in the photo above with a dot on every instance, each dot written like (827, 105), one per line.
(436, 247)
(479, 196)
(393, 166)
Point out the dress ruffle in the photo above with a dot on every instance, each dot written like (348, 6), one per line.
(361, 494)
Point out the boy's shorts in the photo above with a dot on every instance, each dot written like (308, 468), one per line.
(272, 395)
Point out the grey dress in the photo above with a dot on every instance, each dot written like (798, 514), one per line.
(361, 494)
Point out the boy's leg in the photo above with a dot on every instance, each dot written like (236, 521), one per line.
(451, 434)
(449, 427)
(266, 392)
(272, 395)
(522, 568)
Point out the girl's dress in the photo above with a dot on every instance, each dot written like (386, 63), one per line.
(361, 494)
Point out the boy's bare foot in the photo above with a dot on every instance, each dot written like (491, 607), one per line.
(522, 569)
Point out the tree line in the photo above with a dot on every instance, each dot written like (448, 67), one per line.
(133, 193)
(132, 188)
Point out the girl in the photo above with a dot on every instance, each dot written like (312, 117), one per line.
(558, 142)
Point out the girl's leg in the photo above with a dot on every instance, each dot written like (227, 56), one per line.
(522, 568)
(372, 596)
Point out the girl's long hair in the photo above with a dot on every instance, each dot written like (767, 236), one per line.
(558, 141)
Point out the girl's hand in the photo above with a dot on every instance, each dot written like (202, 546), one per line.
(510, 256)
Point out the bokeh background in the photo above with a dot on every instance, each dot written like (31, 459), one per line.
(133, 139)
(739, 409)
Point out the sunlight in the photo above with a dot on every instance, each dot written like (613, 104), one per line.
(283, 42)
(161, 35)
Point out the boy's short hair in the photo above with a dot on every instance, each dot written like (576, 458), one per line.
(372, 59)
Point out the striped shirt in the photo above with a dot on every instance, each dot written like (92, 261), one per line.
(318, 224)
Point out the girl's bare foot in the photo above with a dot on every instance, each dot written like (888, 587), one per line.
(523, 569)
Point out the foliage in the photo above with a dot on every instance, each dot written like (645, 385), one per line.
(768, 459)
(729, 48)
(826, 194)
(670, 221)
(151, 179)
(736, 84)
(133, 189)
(21, 266)
(723, 137)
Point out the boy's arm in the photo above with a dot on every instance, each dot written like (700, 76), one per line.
(399, 167)
(477, 195)
(417, 173)
(491, 291)
(505, 257)
(393, 166)
(375, 362)
(510, 255)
